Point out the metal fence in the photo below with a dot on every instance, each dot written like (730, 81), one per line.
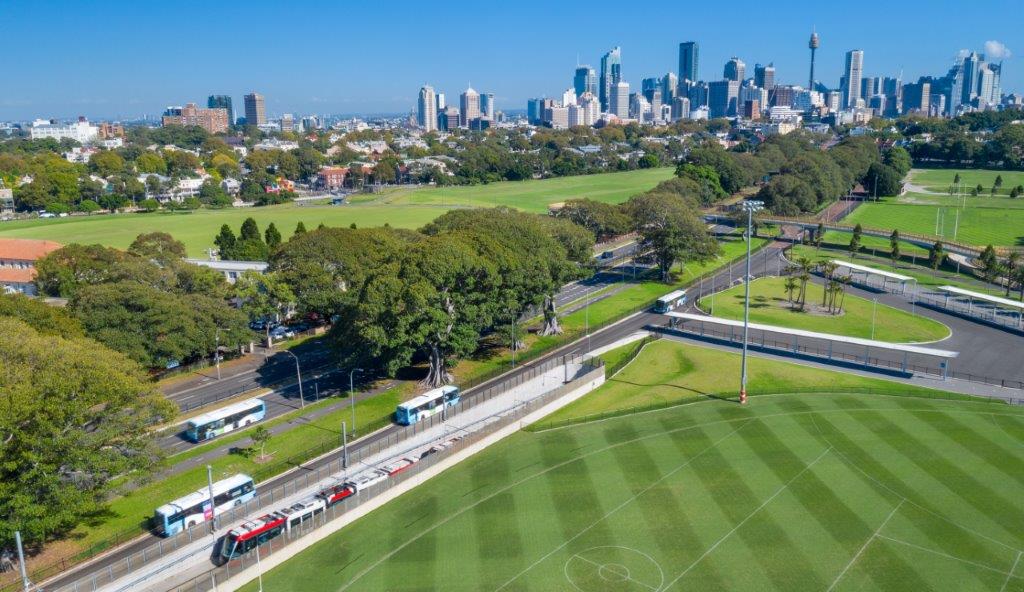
(794, 348)
(975, 310)
(322, 469)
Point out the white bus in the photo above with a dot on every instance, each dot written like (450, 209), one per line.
(226, 419)
(186, 512)
(670, 301)
(427, 404)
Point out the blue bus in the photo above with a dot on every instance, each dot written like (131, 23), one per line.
(224, 420)
(427, 404)
(185, 512)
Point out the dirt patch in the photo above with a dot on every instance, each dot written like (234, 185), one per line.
(811, 308)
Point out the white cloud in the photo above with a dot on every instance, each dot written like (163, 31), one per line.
(963, 53)
(995, 50)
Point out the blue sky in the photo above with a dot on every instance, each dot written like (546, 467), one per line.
(107, 59)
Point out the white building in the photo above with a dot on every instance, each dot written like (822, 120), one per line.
(558, 117)
(618, 105)
(808, 100)
(231, 269)
(591, 107)
(569, 97)
(275, 144)
(81, 131)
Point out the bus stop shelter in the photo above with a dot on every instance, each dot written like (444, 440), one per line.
(811, 343)
(885, 277)
(996, 302)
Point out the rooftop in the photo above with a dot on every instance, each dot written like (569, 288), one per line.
(26, 249)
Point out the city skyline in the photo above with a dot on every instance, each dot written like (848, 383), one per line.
(102, 82)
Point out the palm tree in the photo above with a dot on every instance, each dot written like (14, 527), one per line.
(804, 265)
(790, 286)
(843, 281)
(828, 269)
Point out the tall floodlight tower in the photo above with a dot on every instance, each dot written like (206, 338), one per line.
(813, 45)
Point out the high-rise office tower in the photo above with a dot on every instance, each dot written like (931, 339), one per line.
(569, 97)
(850, 83)
(585, 80)
(255, 109)
(535, 111)
(916, 97)
(618, 100)
(813, 45)
(723, 96)
(648, 86)
(222, 102)
(469, 106)
(487, 105)
(426, 114)
(611, 74)
(669, 88)
(870, 86)
(735, 70)
(441, 102)
(764, 76)
(689, 59)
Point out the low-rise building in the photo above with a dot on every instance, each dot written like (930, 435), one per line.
(6, 201)
(81, 131)
(331, 177)
(231, 269)
(18, 258)
(275, 144)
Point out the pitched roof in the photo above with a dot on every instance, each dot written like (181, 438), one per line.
(24, 249)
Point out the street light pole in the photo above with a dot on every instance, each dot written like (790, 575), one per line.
(874, 304)
(298, 375)
(344, 445)
(352, 397)
(213, 500)
(216, 352)
(750, 207)
(586, 316)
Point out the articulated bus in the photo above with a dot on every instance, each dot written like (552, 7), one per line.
(427, 404)
(230, 418)
(186, 512)
(670, 301)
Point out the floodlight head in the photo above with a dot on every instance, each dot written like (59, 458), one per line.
(753, 205)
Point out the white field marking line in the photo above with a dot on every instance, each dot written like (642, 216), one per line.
(620, 506)
(529, 477)
(610, 447)
(948, 556)
(921, 507)
(601, 565)
(1013, 568)
(865, 546)
(749, 516)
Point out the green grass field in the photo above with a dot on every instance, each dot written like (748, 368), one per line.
(791, 492)
(941, 179)
(985, 201)
(533, 195)
(401, 209)
(668, 372)
(769, 305)
(977, 225)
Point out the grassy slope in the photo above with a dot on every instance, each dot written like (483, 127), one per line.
(668, 372)
(783, 494)
(408, 210)
(768, 305)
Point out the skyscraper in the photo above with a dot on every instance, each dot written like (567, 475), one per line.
(689, 58)
(487, 105)
(735, 69)
(469, 106)
(255, 111)
(669, 87)
(426, 114)
(585, 80)
(850, 83)
(441, 102)
(222, 102)
(619, 100)
(611, 74)
(648, 86)
(813, 45)
(764, 76)
(870, 86)
(723, 96)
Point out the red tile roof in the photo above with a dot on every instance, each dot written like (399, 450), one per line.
(24, 249)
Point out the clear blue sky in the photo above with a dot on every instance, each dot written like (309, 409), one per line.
(125, 59)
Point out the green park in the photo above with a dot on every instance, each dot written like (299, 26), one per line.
(400, 208)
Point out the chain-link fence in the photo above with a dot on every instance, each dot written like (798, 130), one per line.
(576, 371)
